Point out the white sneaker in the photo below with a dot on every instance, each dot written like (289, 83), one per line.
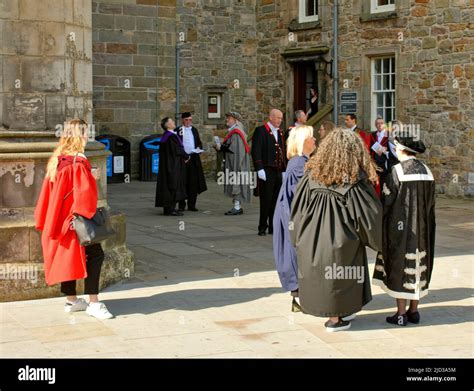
(74, 306)
(98, 310)
(349, 317)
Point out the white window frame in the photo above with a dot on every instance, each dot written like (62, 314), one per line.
(302, 13)
(219, 105)
(373, 91)
(376, 8)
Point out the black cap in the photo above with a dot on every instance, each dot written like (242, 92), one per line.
(186, 114)
(410, 144)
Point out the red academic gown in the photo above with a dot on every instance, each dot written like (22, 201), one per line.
(74, 191)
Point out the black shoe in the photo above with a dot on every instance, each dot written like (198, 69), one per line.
(270, 231)
(234, 212)
(400, 320)
(261, 233)
(295, 306)
(413, 317)
(339, 326)
(192, 209)
(173, 213)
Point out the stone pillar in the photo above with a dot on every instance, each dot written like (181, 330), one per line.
(45, 79)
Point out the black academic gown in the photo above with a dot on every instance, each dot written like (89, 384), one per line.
(171, 186)
(403, 268)
(195, 180)
(331, 227)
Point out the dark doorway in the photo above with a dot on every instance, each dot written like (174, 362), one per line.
(305, 77)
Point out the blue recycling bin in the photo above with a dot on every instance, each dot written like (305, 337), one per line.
(150, 157)
(118, 163)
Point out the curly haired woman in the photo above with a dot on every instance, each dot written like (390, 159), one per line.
(335, 214)
(69, 189)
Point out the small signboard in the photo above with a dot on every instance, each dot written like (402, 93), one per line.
(348, 96)
(347, 108)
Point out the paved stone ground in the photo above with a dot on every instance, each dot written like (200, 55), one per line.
(205, 286)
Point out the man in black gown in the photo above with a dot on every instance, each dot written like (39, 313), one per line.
(195, 181)
(171, 186)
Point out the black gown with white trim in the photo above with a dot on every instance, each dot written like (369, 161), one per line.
(404, 267)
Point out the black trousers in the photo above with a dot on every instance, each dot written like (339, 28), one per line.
(95, 258)
(192, 199)
(268, 193)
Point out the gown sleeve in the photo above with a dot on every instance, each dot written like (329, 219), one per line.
(41, 209)
(390, 191)
(257, 142)
(365, 209)
(299, 209)
(85, 192)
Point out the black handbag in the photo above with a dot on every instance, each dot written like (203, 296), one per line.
(93, 230)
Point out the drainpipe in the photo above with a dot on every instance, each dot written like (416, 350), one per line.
(335, 23)
(178, 60)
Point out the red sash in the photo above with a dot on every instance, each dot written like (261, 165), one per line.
(239, 132)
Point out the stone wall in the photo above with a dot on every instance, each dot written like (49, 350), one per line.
(125, 70)
(246, 40)
(218, 55)
(433, 44)
(45, 61)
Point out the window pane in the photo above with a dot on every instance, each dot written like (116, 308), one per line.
(311, 7)
(378, 83)
(378, 66)
(388, 115)
(380, 112)
(386, 82)
(379, 100)
(386, 65)
(392, 82)
(388, 99)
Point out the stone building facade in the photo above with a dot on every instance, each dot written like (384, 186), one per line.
(414, 57)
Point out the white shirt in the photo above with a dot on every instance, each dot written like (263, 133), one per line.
(188, 140)
(353, 128)
(380, 136)
(274, 131)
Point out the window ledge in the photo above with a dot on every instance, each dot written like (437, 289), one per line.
(369, 17)
(297, 26)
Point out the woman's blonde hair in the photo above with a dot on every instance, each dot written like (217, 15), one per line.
(71, 142)
(296, 140)
(340, 157)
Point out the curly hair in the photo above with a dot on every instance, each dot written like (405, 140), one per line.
(340, 157)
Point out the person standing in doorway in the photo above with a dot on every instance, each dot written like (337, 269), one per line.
(313, 102)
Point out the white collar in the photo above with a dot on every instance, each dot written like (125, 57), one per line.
(272, 127)
(233, 127)
(353, 128)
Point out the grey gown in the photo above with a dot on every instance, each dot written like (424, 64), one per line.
(331, 227)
